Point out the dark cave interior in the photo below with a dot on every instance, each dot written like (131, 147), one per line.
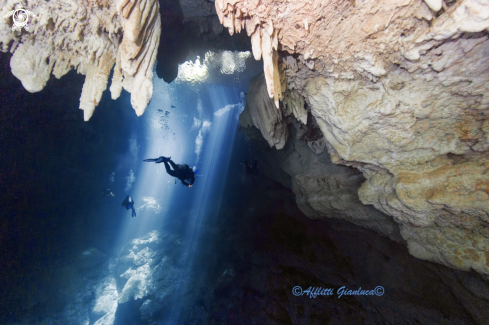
(260, 247)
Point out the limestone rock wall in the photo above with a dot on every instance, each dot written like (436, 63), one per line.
(398, 88)
(263, 114)
(89, 36)
(322, 189)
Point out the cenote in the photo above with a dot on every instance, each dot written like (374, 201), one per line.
(310, 162)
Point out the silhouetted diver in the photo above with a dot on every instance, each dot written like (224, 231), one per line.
(182, 172)
(128, 203)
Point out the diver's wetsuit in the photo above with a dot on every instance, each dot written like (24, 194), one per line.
(128, 203)
(182, 172)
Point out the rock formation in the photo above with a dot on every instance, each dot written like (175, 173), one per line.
(263, 114)
(398, 89)
(322, 189)
(89, 36)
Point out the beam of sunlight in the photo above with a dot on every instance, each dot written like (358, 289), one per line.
(189, 124)
(153, 190)
(214, 168)
(209, 191)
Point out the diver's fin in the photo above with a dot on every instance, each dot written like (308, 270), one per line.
(158, 160)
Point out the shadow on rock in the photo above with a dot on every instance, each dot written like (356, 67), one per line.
(128, 313)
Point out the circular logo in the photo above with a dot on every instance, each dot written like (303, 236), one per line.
(379, 290)
(20, 17)
(297, 291)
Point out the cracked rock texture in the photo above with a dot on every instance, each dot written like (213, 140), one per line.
(89, 36)
(399, 91)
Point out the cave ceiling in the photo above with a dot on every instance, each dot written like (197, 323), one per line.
(398, 89)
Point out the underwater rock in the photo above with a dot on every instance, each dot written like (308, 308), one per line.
(146, 275)
(351, 36)
(261, 112)
(322, 189)
(105, 306)
(401, 95)
(90, 37)
(420, 140)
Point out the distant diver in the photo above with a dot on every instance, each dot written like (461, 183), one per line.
(173, 106)
(128, 203)
(251, 169)
(107, 193)
(182, 172)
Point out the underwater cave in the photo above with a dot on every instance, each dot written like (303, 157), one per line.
(244, 162)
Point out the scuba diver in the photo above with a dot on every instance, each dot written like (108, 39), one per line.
(182, 172)
(249, 168)
(107, 193)
(128, 203)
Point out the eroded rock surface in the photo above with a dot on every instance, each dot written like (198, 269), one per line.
(263, 114)
(322, 189)
(398, 88)
(89, 36)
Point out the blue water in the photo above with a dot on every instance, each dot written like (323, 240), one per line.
(229, 250)
(194, 125)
